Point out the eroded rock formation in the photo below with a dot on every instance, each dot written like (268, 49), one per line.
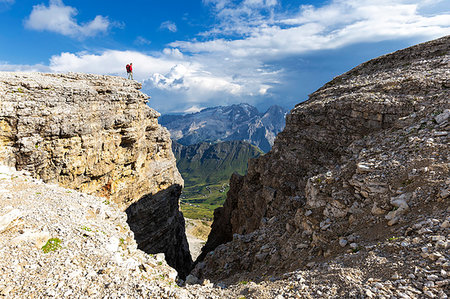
(365, 152)
(96, 134)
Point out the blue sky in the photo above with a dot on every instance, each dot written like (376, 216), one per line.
(201, 53)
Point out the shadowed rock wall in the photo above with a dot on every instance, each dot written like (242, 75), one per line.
(280, 213)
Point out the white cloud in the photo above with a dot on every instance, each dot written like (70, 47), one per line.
(238, 17)
(111, 62)
(340, 23)
(60, 18)
(193, 80)
(7, 1)
(140, 40)
(6, 67)
(169, 25)
(171, 52)
(193, 109)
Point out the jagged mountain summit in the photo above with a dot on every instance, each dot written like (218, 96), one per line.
(227, 123)
(355, 189)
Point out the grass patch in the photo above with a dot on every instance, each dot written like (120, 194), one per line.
(86, 228)
(52, 244)
(122, 243)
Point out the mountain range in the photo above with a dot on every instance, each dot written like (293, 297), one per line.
(227, 123)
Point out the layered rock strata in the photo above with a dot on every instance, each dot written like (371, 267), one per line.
(96, 134)
(364, 157)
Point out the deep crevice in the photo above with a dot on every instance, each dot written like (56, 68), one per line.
(159, 227)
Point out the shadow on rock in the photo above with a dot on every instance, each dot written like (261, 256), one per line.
(159, 227)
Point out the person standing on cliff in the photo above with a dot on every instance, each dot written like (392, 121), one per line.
(130, 71)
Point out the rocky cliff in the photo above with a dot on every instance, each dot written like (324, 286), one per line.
(362, 161)
(96, 134)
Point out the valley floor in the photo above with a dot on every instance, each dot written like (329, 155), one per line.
(197, 233)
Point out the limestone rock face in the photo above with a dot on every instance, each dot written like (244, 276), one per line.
(95, 134)
(355, 150)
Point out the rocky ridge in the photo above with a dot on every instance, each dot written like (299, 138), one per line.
(227, 123)
(355, 189)
(96, 134)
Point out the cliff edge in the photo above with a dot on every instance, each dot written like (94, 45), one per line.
(96, 134)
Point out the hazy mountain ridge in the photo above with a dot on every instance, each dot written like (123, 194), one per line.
(227, 123)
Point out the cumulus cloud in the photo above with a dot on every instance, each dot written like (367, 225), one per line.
(60, 18)
(238, 17)
(340, 23)
(169, 25)
(111, 62)
(191, 78)
(248, 55)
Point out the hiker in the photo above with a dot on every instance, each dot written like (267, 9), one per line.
(130, 71)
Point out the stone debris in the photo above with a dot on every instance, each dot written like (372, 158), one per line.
(7, 219)
(96, 255)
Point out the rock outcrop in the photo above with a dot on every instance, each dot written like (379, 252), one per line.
(362, 160)
(96, 134)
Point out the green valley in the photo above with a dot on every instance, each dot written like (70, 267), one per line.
(206, 169)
